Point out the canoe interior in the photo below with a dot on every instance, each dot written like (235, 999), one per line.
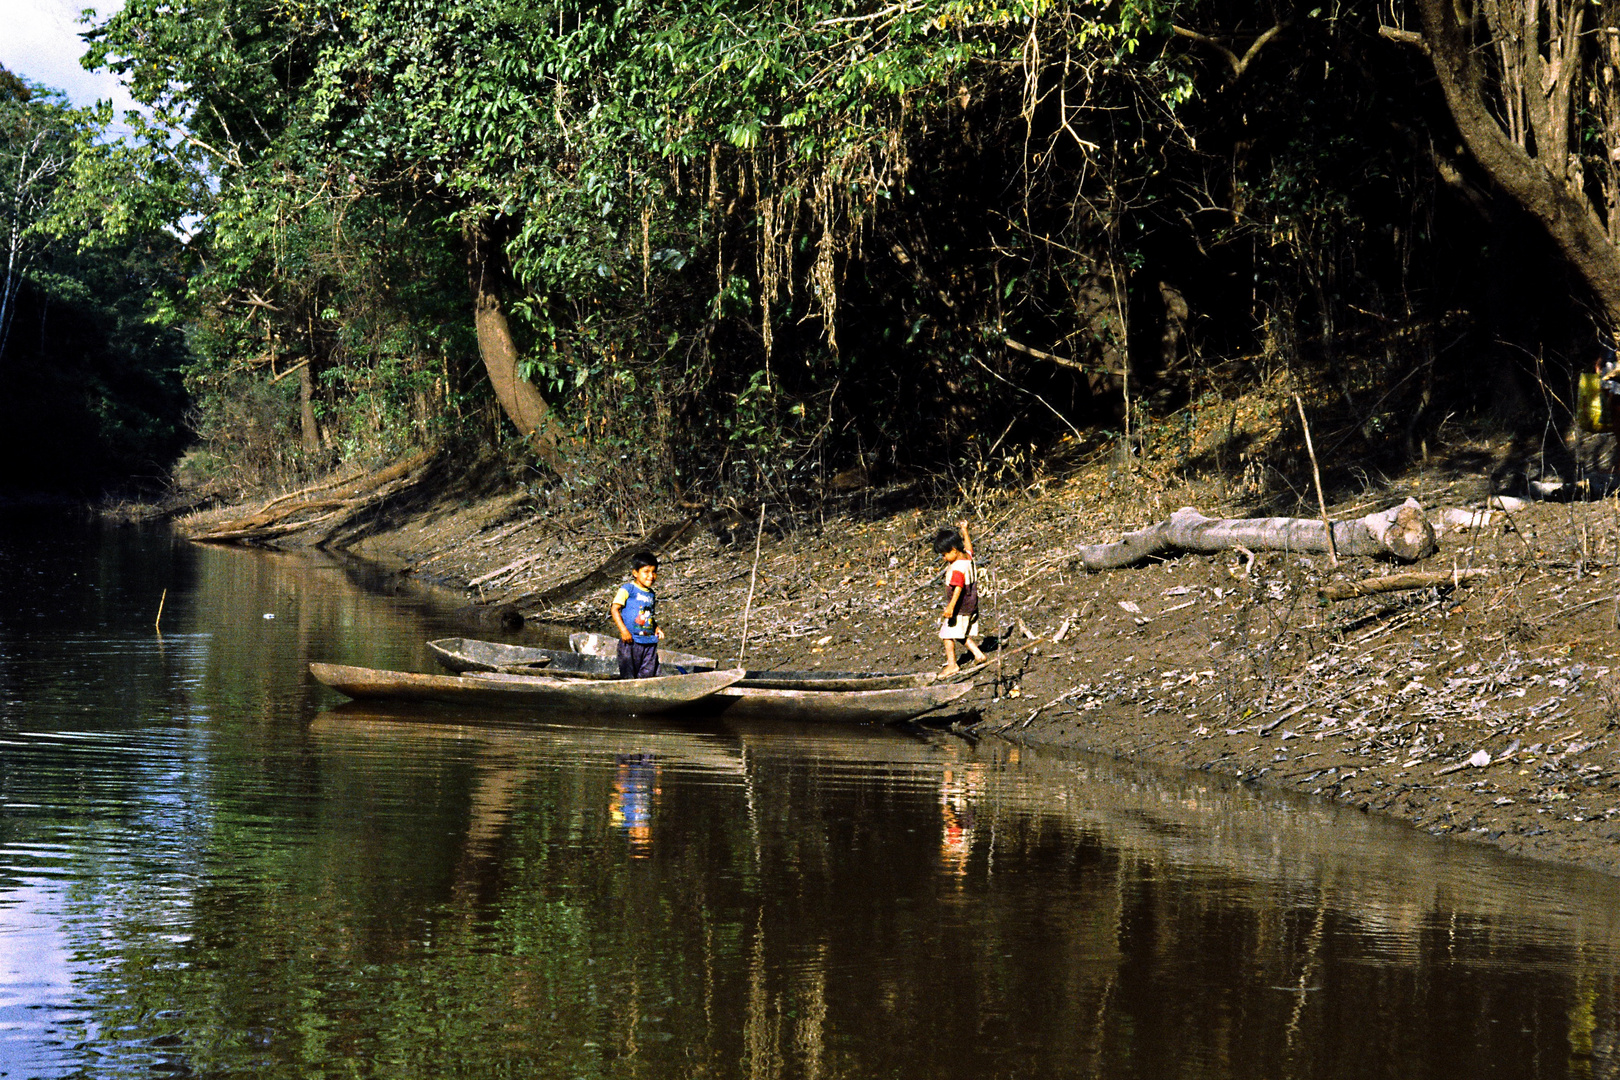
(608, 648)
(470, 654)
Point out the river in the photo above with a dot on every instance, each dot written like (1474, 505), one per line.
(209, 866)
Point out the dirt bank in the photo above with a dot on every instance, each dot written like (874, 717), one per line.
(1207, 662)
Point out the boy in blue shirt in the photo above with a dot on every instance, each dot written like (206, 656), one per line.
(636, 620)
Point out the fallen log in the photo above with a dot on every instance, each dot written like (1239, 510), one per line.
(1348, 590)
(1400, 532)
(328, 504)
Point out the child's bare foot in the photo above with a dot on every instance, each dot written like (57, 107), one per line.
(949, 669)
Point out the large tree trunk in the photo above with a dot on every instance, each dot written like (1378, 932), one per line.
(311, 431)
(1546, 58)
(1401, 532)
(519, 398)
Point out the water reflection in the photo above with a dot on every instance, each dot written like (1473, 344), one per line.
(635, 788)
(959, 789)
(208, 867)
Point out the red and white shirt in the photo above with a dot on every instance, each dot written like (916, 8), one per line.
(962, 574)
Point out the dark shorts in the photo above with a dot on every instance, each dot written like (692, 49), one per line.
(638, 661)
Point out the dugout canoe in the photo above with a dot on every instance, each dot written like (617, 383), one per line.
(638, 696)
(470, 654)
(829, 706)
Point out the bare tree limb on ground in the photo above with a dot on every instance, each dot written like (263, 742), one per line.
(1349, 590)
(1400, 532)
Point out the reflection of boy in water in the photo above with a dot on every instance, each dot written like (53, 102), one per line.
(956, 813)
(635, 786)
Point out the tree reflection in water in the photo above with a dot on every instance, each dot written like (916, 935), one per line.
(245, 884)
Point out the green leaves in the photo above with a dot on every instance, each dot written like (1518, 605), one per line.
(668, 178)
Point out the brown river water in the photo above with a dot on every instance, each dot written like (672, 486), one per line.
(210, 867)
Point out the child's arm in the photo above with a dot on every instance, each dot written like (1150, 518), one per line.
(950, 605)
(967, 541)
(618, 621)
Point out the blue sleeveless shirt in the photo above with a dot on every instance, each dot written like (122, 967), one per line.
(638, 614)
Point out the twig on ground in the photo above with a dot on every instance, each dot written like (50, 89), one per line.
(1030, 719)
(1316, 473)
(1346, 590)
(753, 577)
(965, 672)
(1561, 612)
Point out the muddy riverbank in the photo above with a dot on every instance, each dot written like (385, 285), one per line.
(1487, 711)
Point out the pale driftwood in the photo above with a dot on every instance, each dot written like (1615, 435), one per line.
(1348, 590)
(1459, 520)
(1401, 532)
(511, 567)
(973, 669)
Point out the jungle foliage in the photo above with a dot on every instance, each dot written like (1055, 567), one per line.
(93, 391)
(792, 246)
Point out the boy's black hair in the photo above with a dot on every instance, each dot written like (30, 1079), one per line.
(948, 540)
(643, 558)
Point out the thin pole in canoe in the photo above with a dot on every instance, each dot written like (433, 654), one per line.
(753, 575)
(157, 623)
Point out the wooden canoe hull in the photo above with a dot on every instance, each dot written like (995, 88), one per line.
(470, 654)
(824, 706)
(638, 696)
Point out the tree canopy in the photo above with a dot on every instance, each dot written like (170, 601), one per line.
(703, 243)
(93, 388)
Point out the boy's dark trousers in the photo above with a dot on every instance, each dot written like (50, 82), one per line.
(638, 661)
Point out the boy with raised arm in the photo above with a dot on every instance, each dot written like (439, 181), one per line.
(961, 618)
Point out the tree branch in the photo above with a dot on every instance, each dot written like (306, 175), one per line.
(1238, 64)
(1061, 361)
(1568, 219)
(1404, 37)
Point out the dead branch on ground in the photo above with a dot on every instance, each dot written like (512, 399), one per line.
(1348, 590)
(1401, 532)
